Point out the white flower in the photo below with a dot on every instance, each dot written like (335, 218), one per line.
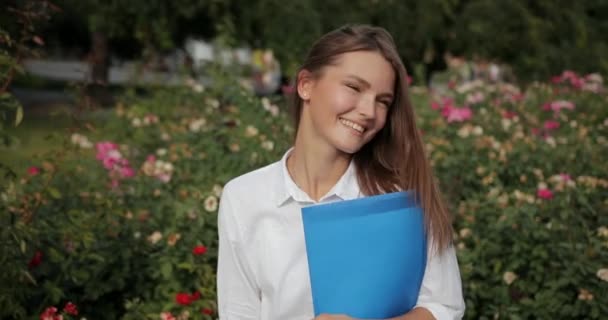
(465, 131)
(465, 233)
(268, 145)
(165, 136)
(266, 104)
(217, 190)
(251, 131)
(213, 103)
(508, 277)
(161, 152)
(274, 110)
(198, 88)
(155, 237)
(136, 122)
(81, 140)
(477, 131)
(211, 203)
(602, 232)
(602, 274)
(196, 125)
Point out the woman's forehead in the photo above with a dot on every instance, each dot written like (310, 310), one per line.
(369, 66)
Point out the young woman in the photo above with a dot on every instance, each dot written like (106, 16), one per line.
(355, 136)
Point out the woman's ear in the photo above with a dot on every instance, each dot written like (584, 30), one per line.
(305, 82)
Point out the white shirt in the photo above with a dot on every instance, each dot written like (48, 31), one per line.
(262, 267)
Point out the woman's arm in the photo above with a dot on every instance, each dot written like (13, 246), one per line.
(238, 296)
(441, 289)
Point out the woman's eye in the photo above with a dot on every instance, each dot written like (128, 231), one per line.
(353, 87)
(385, 104)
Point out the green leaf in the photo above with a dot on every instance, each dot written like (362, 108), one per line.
(54, 193)
(19, 116)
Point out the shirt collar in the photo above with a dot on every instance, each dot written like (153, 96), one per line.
(346, 188)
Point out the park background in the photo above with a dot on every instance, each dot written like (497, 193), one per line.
(122, 120)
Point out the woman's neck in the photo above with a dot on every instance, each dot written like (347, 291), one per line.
(316, 168)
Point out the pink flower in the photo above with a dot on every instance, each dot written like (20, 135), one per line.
(558, 105)
(551, 125)
(509, 115)
(535, 131)
(457, 114)
(151, 158)
(435, 105)
(127, 172)
(103, 148)
(70, 309)
(50, 313)
(565, 177)
(545, 194)
(167, 316)
(33, 171)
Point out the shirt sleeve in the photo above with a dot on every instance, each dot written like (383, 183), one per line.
(238, 296)
(441, 290)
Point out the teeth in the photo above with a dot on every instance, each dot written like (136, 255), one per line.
(353, 125)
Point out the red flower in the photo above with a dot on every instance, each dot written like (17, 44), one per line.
(207, 311)
(71, 309)
(50, 314)
(33, 171)
(198, 250)
(183, 299)
(195, 296)
(544, 194)
(36, 260)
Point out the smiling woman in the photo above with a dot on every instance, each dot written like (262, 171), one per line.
(355, 137)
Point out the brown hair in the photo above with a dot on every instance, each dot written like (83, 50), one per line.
(395, 158)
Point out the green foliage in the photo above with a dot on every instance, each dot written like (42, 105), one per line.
(123, 246)
(121, 243)
(18, 39)
(523, 256)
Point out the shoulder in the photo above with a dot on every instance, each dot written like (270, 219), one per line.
(256, 185)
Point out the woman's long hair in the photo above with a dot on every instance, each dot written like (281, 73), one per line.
(395, 158)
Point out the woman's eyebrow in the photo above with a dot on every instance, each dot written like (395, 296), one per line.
(367, 85)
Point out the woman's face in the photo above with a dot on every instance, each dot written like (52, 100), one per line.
(347, 104)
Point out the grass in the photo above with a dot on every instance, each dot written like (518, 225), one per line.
(39, 135)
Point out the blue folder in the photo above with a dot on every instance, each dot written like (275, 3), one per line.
(367, 256)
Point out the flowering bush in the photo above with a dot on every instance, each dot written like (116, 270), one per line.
(124, 225)
(124, 222)
(525, 174)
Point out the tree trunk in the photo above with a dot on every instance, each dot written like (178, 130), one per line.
(99, 59)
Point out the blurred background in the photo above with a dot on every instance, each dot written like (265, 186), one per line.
(120, 121)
